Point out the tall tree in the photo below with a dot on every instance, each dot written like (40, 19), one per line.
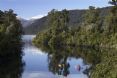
(113, 2)
(10, 31)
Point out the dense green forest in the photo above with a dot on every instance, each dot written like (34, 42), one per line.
(90, 35)
(95, 31)
(10, 33)
(11, 65)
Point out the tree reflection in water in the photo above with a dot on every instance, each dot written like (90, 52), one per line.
(58, 58)
(96, 58)
(11, 65)
(58, 63)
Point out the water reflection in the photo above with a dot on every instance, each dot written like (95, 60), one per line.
(58, 63)
(59, 60)
(11, 65)
(51, 62)
(66, 61)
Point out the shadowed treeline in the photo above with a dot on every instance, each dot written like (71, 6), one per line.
(11, 64)
(10, 33)
(97, 58)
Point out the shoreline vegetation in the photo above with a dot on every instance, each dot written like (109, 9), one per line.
(102, 61)
(10, 34)
(11, 64)
(95, 30)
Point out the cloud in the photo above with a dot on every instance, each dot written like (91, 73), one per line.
(38, 16)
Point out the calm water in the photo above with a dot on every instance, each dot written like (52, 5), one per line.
(40, 64)
(53, 62)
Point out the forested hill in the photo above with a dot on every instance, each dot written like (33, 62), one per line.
(75, 20)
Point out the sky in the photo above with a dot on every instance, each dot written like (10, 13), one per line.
(38, 8)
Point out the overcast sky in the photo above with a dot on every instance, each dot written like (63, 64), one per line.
(29, 8)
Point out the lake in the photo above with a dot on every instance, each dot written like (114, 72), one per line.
(41, 64)
(57, 62)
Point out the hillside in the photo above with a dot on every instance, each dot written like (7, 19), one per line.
(75, 20)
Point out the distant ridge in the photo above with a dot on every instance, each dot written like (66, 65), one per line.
(75, 20)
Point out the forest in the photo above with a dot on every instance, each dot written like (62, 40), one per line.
(94, 39)
(10, 33)
(11, 65)
(95, 31)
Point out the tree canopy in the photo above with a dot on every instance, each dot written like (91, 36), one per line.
(10, 32)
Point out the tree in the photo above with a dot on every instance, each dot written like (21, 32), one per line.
(91, 20)
(10, 32)
(113, 2)
(111, 21)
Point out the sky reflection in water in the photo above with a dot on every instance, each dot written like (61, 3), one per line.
(37, 63)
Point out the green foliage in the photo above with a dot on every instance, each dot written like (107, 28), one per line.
(103, 61)
(91, 16)
(110, 22)
(94, 31)
(10, 32)
(113, 2)
(58, 30)
(107, 66)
